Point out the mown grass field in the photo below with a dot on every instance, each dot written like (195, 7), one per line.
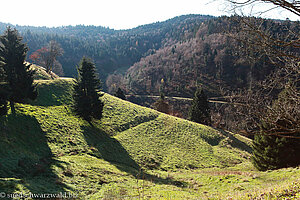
(132, 153)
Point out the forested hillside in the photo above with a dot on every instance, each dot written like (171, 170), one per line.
(112, 50)
(63, 135)
(172, 56)
(214, 59)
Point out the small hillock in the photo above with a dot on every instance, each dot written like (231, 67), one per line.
(133, 152)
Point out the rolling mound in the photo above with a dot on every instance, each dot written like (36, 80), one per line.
(45, 148)
(41, 74)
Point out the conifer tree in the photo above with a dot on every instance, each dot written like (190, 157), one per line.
(3, 104)
(275, 152)
(3, 94)
(199, 111)
(266, 151)
(18, 76)
(86, 92)
(120, 94)
(278, 146)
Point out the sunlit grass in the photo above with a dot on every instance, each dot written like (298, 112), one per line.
(133, 152)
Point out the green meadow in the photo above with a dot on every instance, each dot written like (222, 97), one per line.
(133, 152)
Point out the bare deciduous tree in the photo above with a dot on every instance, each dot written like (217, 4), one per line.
(47, 55)
(292, 6)
(273, 105)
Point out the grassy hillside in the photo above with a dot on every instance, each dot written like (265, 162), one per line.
(133, 152)
(41, 74)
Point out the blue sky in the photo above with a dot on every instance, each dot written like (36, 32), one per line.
(117, 14)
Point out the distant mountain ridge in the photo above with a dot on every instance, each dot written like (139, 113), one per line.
(184, 51)
(112, 50)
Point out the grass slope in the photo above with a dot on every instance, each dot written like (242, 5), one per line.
(40, 73)
(133, 152)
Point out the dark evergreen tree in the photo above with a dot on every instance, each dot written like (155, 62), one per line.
(86, 92)
(120, 94)
(18, 76)
(3, 99)
(266, 151)
(278, 145)
(3, 93)
(3, 104)
(199, 111)
(275, 152)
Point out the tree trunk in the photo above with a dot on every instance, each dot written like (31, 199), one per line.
(12, 107)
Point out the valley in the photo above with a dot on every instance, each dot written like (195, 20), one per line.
(194, 107)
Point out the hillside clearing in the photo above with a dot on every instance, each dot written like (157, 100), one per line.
(133, 152)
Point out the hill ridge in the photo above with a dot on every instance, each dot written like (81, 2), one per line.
(45, 148)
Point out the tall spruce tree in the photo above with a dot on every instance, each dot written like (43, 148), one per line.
(18, 76)
(87, 103)
(199, 111)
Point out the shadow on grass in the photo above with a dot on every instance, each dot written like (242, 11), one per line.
(236, 143)
(55, 92)
(112, 151)
(25, 157)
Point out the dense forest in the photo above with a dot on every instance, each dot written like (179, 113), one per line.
(111, 50)
(174, 56)
(213, 58)
(235, 79)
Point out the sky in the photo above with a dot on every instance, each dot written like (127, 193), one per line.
(116, 14)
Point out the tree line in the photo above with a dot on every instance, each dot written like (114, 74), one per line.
(16, 76)
(17, 83)
(255, 62)
(269, 87)
(111, 50)
(214, 58)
